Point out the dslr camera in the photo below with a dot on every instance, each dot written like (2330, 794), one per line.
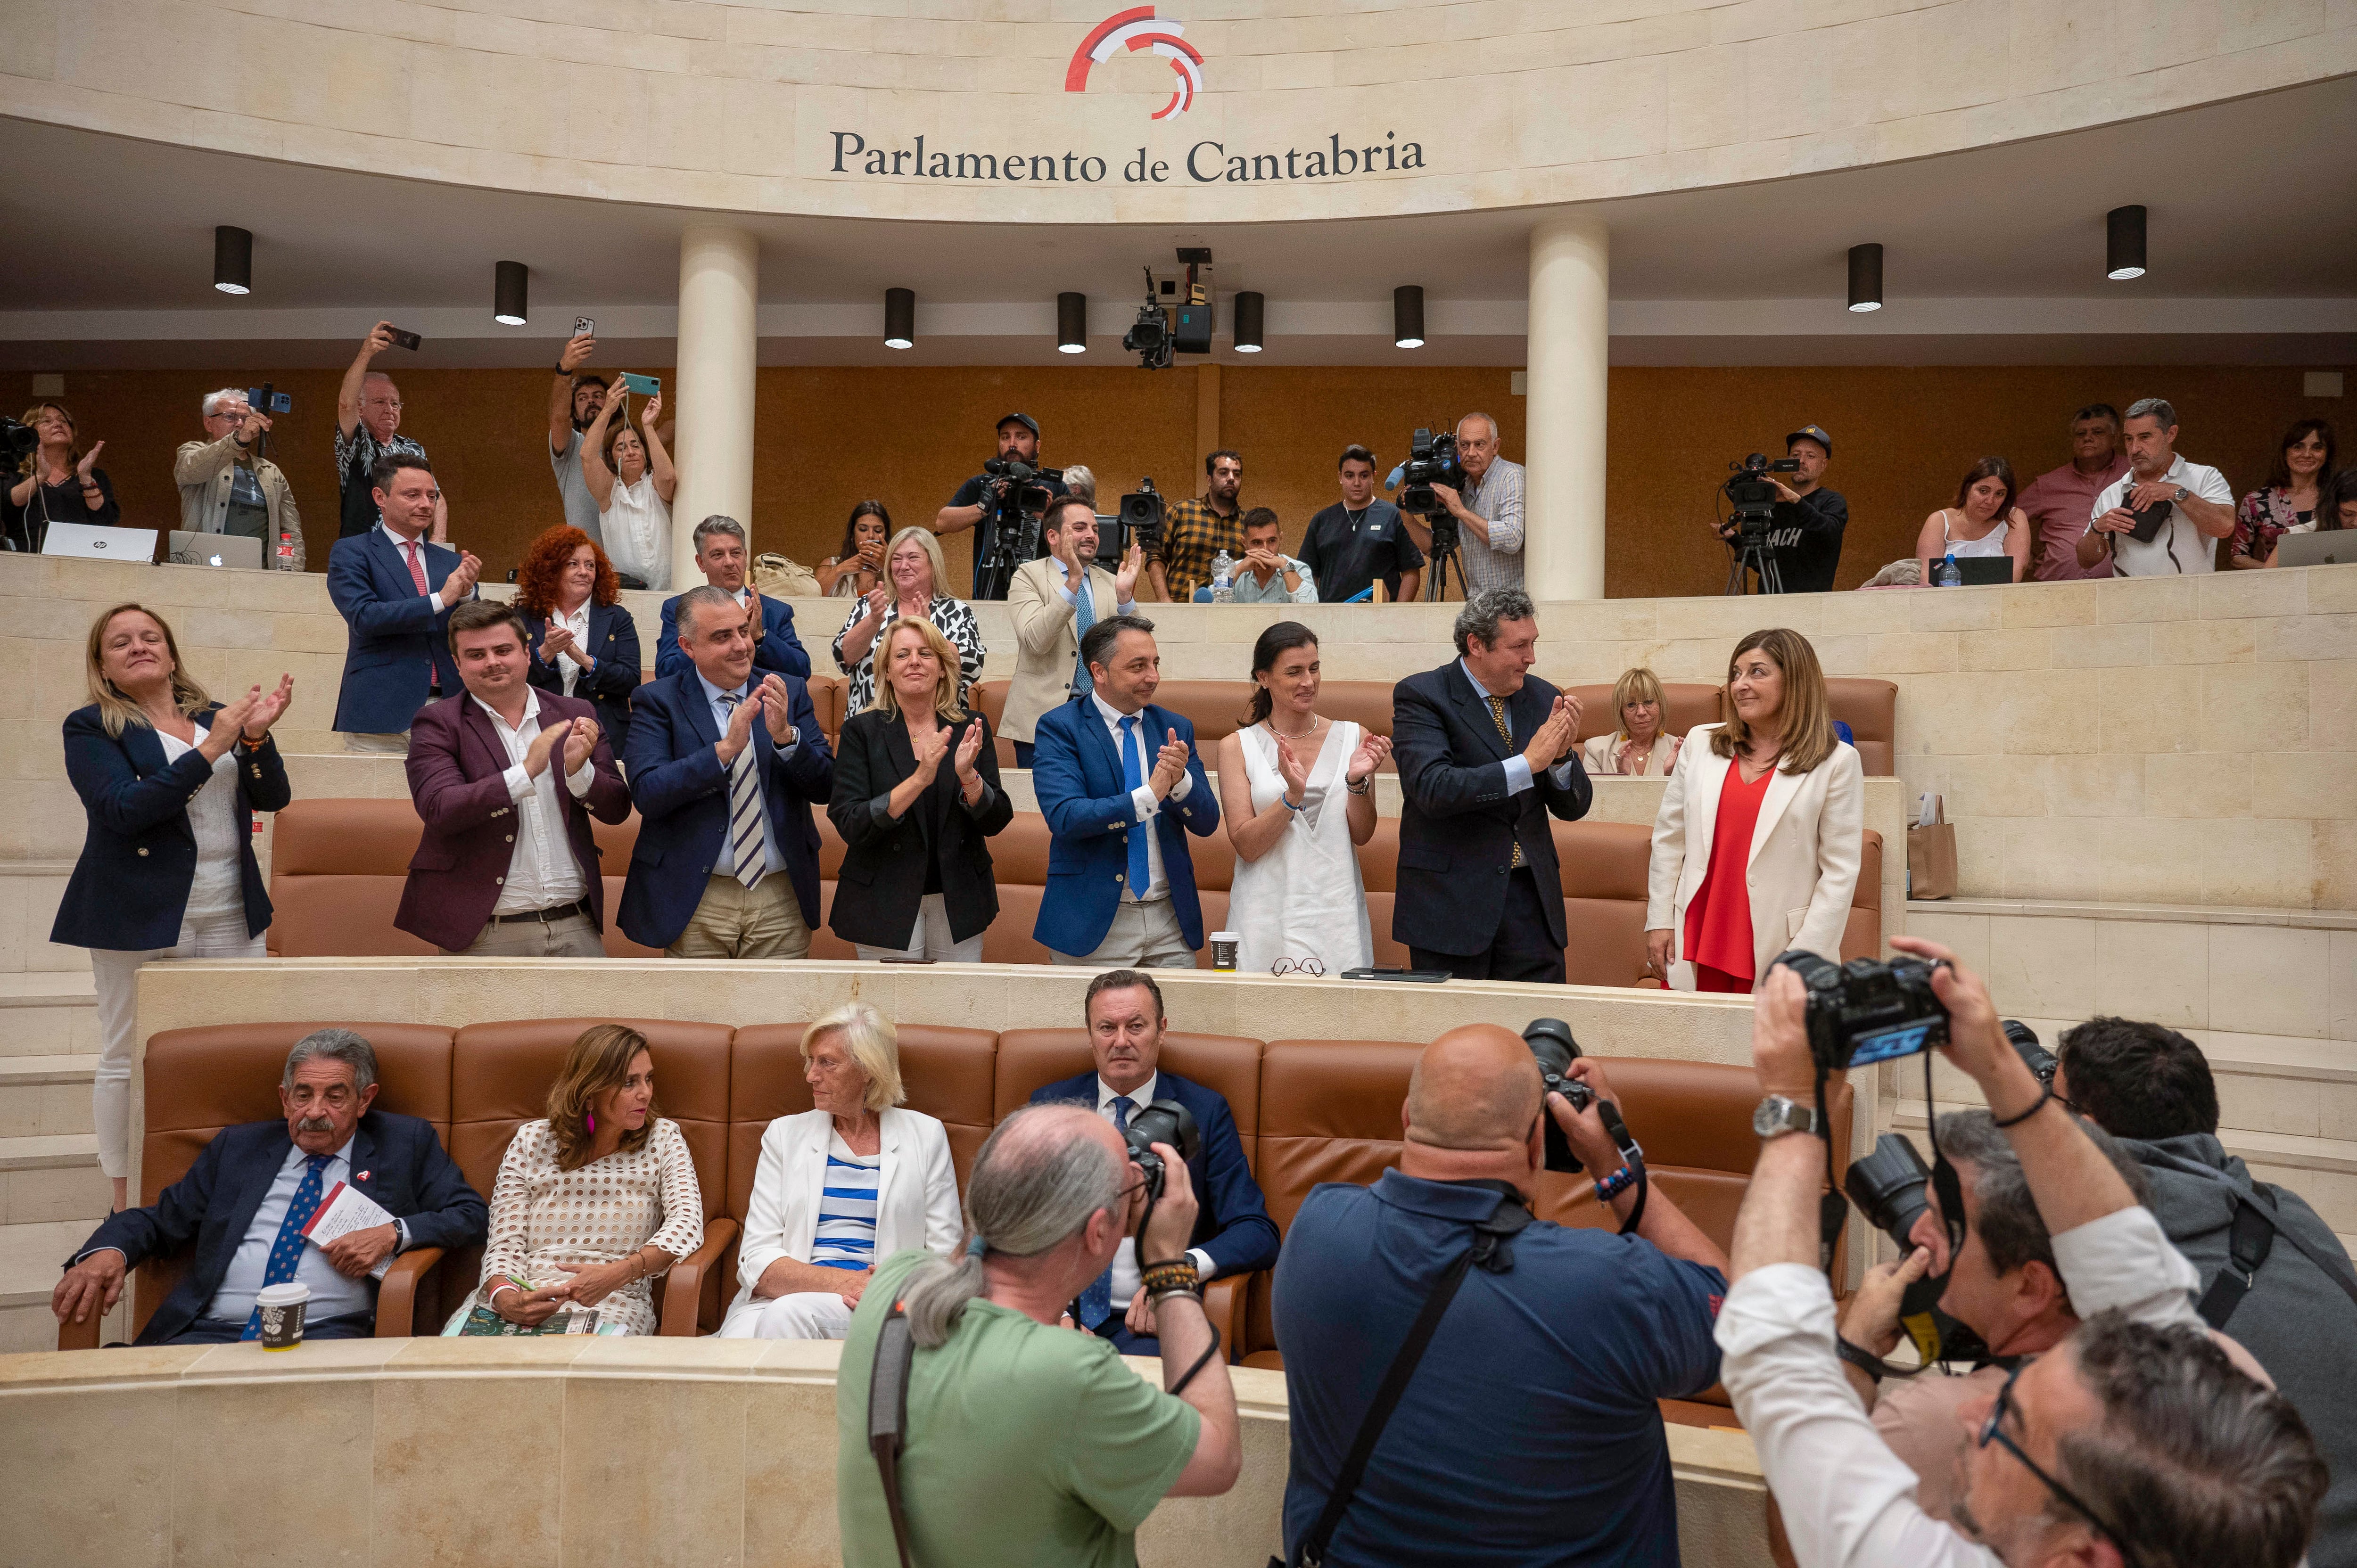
(1752, 493)
(1867, 1011)
(1431, 460)
(1550, 1041)
(1888, 1188)
(1162, 1122)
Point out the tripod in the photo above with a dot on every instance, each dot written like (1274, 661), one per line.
(1014, 539)
(1754, 556)
(1443, 551)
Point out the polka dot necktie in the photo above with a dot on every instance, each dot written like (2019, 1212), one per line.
(287, 1250)
(1096, 1301)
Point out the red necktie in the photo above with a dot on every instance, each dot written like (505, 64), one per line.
(417, 567)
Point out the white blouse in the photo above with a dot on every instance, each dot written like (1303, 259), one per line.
(636, 526)
(219, 885)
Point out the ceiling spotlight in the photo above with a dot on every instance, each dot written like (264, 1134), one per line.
(1865, 278)
(1248, 312)
(1407, 315)
(2124, 243)
(233, 260)
(510, 282)
(1072, 322)
(899, 318)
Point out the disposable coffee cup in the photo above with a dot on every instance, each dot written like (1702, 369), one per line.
(282, 1308)
(1223, 950)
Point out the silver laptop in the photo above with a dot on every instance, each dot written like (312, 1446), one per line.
(192, 549)
(2331, 546)
(99, 543)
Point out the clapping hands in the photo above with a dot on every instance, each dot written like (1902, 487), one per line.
(969, 747)
(1553, 740)
(776, 708)
(1170, 765)
(1124, 581)
(1373, 749)
(268, 708)
(461, 581)
(1290, 768)
(580, 744)
(929, 748)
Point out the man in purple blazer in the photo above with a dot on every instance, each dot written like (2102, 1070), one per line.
(507, 777)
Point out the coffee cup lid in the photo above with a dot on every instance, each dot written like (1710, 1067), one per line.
(287, 1294)
(1226, 937)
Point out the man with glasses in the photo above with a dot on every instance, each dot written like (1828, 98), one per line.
(368, 426)
(2133, 1441)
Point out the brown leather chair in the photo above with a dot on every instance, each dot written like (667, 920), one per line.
(499, 1075)
(201, 1081)
(826, 694)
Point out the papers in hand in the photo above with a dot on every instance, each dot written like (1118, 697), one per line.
(344, 1210)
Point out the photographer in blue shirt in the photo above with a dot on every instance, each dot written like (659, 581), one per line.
(1528, 1432)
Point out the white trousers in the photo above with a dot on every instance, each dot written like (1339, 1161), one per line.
(117, 974)
(929, 938)
(813, 1315)
(1144, 935)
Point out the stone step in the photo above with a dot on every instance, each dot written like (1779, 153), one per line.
(45, 1013)
(45, 1096)
(30, 1257)
(50, 1179)
(29, 891)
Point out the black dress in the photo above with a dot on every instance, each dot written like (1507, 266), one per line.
(889, 862)
(28, 525)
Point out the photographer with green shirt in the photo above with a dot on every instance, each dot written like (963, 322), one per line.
(1026, 1442)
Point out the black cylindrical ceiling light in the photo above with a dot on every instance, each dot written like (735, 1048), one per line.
(2124, 243)
(511, 289)
(1248, 313)
(233, 260)
(899, 318)
(1407, 315)
(1864, 277)
(1072, 322)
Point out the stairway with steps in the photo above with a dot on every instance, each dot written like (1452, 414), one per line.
(51, 1191)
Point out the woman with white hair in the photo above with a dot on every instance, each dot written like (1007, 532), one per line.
(911, 590)
(854, 1178)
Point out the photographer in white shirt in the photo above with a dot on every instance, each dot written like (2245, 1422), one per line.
(2133, 1442)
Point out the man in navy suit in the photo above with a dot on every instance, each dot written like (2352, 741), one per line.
(245, 1202)
(724, 769)
(723, 557)
(1233, 1234)
(1120, 785)
(1486, 751)
(395, 590)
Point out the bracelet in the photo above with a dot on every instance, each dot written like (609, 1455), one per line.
(1613, 1186)
(1361, 786)
(1178, 1276)
(2046, 1093)
(1291, 806)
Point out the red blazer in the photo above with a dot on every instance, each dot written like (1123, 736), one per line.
(456, 761)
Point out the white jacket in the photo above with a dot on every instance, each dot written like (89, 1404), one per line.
(916, 1192)
(1806, 851)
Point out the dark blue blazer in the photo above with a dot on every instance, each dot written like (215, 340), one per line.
(129, 889)
(683, 797)
(214, 1204)
(1231, 1221)
(1076, 776)
(398, 645)
(614, 644)
(779, 649)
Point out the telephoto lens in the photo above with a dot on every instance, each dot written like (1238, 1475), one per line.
(1550, 1041)
(1888, 1188)
(1164, 1121)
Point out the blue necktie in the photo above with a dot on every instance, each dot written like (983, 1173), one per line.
(1086, 619)
(287, 1250)
(1132, 769)
(1096, 1302)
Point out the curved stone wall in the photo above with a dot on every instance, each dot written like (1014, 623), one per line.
(984, 112)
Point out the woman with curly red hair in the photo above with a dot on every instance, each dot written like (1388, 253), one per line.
(584, 643)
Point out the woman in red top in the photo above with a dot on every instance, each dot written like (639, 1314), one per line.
(1756, 847)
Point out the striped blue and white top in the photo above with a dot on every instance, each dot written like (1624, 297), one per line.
(846, 1209)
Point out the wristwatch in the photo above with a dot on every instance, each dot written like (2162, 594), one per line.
(2181, 494)
(1777, 1116)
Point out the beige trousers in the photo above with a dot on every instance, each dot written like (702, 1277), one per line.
(572, 937)
(1143, 935)
(735, 921)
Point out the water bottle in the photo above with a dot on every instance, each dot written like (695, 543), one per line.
(1223, 572)
(1947, 573)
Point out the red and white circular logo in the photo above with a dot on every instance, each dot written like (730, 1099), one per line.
(1139, 29)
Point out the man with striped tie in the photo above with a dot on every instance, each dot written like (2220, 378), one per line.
(725, 770)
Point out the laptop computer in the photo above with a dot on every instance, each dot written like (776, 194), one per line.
(190, 548)
(99, 543)
(1984, 571)
(2326, 547)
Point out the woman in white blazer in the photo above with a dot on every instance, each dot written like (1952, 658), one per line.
(1756, 846)
(854, 1180)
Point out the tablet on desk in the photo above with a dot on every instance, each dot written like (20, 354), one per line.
(1985, 571)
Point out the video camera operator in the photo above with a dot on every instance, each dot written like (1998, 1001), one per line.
(1530, 1431)
(1805, 539)
(1025, 1443)
(2135, 1441)
(977, 500)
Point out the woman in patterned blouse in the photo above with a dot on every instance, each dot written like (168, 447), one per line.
(593, 1203)
(911, 590)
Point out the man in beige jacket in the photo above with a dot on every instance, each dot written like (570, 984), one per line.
(1049, 611)
(228, 487)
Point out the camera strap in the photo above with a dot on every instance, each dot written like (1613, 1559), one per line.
(887, 1415)
(1833, 1209)
(1632, 1154)
(2250, 1241)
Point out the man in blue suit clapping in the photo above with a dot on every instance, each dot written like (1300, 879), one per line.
(723, 557)
(395, 590)
(1121, 788)
(1233, 1234)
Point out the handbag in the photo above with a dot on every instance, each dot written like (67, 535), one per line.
(1931, 852)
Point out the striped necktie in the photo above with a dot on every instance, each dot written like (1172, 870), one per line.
(749, 829)
(1497, 717)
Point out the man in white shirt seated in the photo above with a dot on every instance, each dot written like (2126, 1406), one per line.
(2134, 1441)
(2192, 503)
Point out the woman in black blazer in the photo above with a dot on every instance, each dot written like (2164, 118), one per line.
(584, 643)
(167, 868)
(916, 793)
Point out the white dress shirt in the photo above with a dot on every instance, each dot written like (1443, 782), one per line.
(543, 872)
(332, 1294)
(401, 547)
(1518, 767)
(2179, 546)
(1125, 1260)
(1845, 1496)
(1158, 883)
(577, 623)
(721, 713)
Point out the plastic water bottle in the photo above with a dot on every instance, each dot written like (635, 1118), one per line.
(1947, 573)
(1223, 574)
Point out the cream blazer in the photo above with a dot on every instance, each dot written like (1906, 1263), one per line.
(916, 1193)
(1596, 756)
(1046, 639)
(1806, 851)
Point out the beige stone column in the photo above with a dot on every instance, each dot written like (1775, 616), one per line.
(1570, 337)
(719, 285)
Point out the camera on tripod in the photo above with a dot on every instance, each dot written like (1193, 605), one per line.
(1011, 506)
(1139, 522)
(1431, 460)
(1752, 493)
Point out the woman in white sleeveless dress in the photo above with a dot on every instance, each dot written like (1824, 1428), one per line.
(1296, 796)
(1982, 522)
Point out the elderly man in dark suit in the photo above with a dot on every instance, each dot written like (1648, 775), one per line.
(1233, 1234)
(506, 777)
(245, 1202)
(1486, 751)
(395, 590)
